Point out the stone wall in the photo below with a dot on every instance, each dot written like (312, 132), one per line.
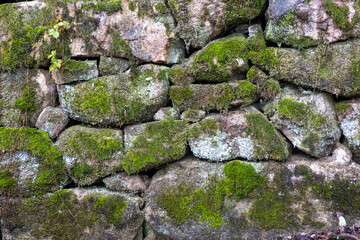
(178, 119)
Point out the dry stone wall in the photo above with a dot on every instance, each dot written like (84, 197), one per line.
(178, 119)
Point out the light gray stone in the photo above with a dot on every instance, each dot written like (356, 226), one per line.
(52, 120)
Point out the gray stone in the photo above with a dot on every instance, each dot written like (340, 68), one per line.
(52, 120)
(307, 119)
(24, 95)
(117, 99)
(166, 114)
(122, 182)
(112, 66)
(243, 134)
(108, 215)
(74, 71)
(91, 154)
(152, 144)
(193, 115)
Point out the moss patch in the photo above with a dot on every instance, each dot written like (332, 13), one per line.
(207, 126)
(270, 89)
(342, 107)
(340, 15)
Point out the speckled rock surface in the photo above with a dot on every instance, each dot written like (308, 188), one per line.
(307, 119)
(90, 153)
(122, 182)
(308, 23)
(52, 120)
(193, 115)
(152, 144)
(243, 134)
(166, 113)
(112, 66)
(22, 92)
(117, 99)
(108, 215)
(74, 71)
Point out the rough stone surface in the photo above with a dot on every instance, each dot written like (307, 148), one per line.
(308, 23)
(90, 153)
(193, 115)
(108, 215)
(213, 96)
(112, 66)
(201, 21)
(23, 92)
(122, 182)
(29, 163)
(348, 113)
(166, 113)
(300, 195)
(52, 120)
(324, 68)
(243, 134)
(117, 99)
(152, 144)
(307, 119)
(74, 71)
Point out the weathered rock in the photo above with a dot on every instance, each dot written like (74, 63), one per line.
(112, 66)
(324, 68)
(166, 113)
(244, 134)
(29, 163)
(201, 21)
(307, 119)
(52, 120)
(152, 144)
(348, 113)
(193, 199)
(193, 115)
(308, 23)
(108, 215)
(213, 96)
(117, 99)
(74, 71)
(122, 182)
(90, 153)
(23, 96)
(216, 62)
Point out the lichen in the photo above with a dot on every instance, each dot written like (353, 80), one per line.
(208, 126)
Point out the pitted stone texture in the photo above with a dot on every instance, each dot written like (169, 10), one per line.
(117, 99)
(122, 182)
(108, 214)
(150, 145)
(24, 91)
(348, 113)
(324, 68)
(166, 114)
(202, 21)
(307, 23)
(112, 66)
(243, 134)
(91, 154)
(307, 119)
(74, 71)
(52, 120)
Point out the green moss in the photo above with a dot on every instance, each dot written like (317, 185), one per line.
(80, 170)
(184, 203)
(339, 14)
(270, 89)
(342, 107)
(99, 144)
(218, 61)
(131, 6)
(162, 141)
(310, 141)
(246, 91)
(240, 11)
(37, 144)
(161, 8)
(265, 58)
(27, 102)
(177, 75)
(269, 143)
(207, 126)
(180, 94)
(74, 66)
(109, 6)
(6, 180)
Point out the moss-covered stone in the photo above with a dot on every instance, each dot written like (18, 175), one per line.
(270, 89)
(340, 15)
(193, 115)
(222, 58)
(74, 71)
(91, 213)
(152, 144)
(91, 153)
(29, 162)
(342, 107)
(113, 66)
(213, 97)
(256, 76)
(117, 99)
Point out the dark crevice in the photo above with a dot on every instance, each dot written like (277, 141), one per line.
(191, 51)
(13, 1)
(85, 58)
(151, 172)
(171, 13)
(70, 185)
